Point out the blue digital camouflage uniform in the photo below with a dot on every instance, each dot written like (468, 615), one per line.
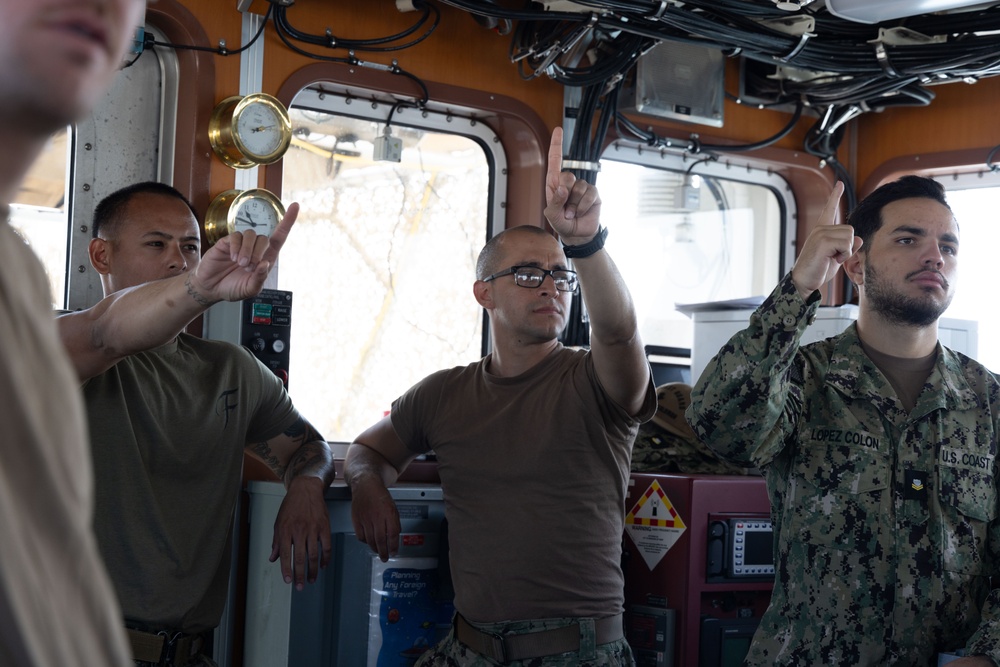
(886, 529)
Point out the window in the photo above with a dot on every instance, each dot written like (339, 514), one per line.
(129, 137)
(381, 262)
(679, 237)
(973, 199)
(39, 212)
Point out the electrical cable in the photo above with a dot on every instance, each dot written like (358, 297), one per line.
(152, 43)
(989, 159)
(744, 148)
(377, 44)
(808, 58)
(489, 9)
(652, 140)
(874, 66)
(710, 158)
(137, 56)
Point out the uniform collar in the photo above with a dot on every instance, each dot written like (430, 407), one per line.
(853, 374)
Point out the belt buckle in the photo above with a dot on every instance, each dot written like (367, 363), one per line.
(169, 647)
(499, 646)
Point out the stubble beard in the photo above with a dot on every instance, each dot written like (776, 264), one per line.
(898, 308)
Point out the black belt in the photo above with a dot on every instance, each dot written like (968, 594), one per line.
(165, 648)
(508, 647)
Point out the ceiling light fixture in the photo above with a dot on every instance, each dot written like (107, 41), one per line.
(877, 11)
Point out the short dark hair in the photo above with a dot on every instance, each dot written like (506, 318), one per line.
(110, 211)
(866, 218)
(491, 253)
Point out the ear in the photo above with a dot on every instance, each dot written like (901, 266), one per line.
(854, 267)
(100, 255)
(483, 292)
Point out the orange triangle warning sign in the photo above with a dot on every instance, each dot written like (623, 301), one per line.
(654, 509)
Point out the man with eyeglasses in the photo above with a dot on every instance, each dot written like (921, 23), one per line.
(533, 444)
(533, 277)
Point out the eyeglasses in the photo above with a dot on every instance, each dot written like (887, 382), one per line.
(533, 277)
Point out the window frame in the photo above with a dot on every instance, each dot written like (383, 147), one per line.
(725, 168)
(129, 137)
(375, 106)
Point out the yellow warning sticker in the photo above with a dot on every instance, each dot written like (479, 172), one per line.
(655, 509)
(654, 525)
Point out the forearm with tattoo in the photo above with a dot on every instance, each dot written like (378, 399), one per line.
(195, 294)
(311, 456)
(264, 453)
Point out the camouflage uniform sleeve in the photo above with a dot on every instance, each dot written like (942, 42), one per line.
(986, 640)
(745, 403)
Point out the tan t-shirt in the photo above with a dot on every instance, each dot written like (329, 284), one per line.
(57, 608)
(907, 376)
(534, 470)
(168, 428)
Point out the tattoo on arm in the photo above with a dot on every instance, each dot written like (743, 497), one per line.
(263, 450)
(312, 455)
(197, 296)
(306, 459)
(298, 430)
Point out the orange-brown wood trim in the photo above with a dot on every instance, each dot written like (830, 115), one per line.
(521, 130)
(196, 76)
(967, 161)
(961, 117)
(194, 101)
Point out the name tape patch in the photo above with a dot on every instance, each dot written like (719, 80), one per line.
(846, 436)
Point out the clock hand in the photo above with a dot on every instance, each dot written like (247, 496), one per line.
(247, 221)
(261, 128)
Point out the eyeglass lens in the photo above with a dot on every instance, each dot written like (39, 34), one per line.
(533, 277)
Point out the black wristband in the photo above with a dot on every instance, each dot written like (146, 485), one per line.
(589, 248)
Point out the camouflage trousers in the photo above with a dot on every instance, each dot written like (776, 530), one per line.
(450, 652)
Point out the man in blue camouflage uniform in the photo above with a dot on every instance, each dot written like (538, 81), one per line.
(879, 447)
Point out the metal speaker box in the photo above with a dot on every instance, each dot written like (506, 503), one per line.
(679, 81)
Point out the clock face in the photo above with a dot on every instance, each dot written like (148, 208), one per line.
(260, 128)
(245, 131)
(257, 214)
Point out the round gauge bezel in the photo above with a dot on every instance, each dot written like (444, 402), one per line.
(226, 140)
(256, 193)
(220, 218)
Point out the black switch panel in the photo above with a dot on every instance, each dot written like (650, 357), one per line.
(266, 326)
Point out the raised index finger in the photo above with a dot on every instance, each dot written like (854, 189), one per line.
(829, 214)
(555, 163)
(281, 232)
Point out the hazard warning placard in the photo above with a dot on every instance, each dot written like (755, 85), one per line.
(654, 525)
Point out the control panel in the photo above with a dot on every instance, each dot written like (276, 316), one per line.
(681, 577)
(266, 329)
(740, 548)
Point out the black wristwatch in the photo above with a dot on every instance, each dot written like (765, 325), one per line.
(589, 248)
